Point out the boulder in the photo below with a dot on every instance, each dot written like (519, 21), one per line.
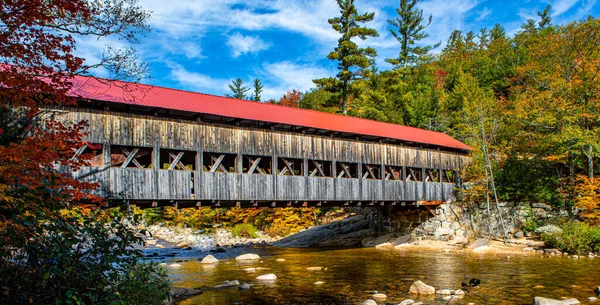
(318, 283)
(546, 301)
(404, 239)
(384, 245)
(280, 260)
(369, 302)
(549, 229)
(443, 232)
(244, 286)
(592, 299)
(250, 270)
(228, 284)
(451, 298)
(421, 288)
(183, 244)
(519, 234)
(406, 302)
(344, 233)
(479, 243)
(209, 259)
(267, 277)
(379, 297)
(553, 251)
(374, 241)
(175, 266)
(247, 257)
(444, 291)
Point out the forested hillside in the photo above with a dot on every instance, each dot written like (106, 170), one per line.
(528, 104)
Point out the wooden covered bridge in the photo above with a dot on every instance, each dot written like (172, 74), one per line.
(156, 146)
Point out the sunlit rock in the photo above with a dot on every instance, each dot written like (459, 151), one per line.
(174, 266)
(209, 259)
(267, 277)
(247, 257)
(407, 302)
(546, 301)
(379, 297)
(419, 287)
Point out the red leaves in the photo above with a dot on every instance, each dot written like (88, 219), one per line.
(291, 98)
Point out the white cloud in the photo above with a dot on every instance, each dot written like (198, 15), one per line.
(241, 44)
(483, 14)
(279, 77)
(560, 7)
(197, 81)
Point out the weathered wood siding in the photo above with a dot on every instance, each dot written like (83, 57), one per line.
(113, 128)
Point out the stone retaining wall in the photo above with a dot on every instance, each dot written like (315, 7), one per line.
(457, 222)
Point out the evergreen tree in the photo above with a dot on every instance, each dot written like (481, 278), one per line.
(237, 89)
(408, 28)
(258, 89)
(352, 60)
(545, 18)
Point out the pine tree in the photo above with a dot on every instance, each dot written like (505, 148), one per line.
(237, 89)
(408, 28)
(352, 60)
(545, 19)
(258, 89)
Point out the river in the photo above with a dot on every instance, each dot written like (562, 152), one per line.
(353, 274)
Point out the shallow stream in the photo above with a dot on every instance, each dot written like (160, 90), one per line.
(353, 274)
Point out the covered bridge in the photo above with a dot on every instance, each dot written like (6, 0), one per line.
(158, 146)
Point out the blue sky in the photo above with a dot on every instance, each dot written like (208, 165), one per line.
(201, 45)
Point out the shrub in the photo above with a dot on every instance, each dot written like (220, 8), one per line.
(577, 237)
(244, 230)
(76, 258)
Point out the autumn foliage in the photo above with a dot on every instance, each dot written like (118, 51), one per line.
(51, 250)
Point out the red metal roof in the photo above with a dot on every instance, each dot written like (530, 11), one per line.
(159, 97)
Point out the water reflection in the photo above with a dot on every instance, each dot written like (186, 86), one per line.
(353, 273)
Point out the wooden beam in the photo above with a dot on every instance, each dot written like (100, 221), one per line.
(79, 151)
(130, 157)
(217, 164)
(254, 165)
(176, 161)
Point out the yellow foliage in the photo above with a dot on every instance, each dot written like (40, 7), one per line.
(588, 199)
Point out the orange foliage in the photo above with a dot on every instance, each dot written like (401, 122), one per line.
(291, 98)
(588, 199)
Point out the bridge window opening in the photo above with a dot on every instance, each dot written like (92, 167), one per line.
(371, 172)
(346, 170)
(393, 173)
(290, 167)
(257, 165)
(178, 160)
(432, 175)
(414, 174)
(218, 162)
(448, 176)
(91, 153)
(131, 157)
(317, 168)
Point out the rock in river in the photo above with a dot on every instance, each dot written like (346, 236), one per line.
(419, 287)
(247, 257)
(369, 302)
(267, 277)
(379, 297)
(407, 302)
(546, 301)
(209, 259)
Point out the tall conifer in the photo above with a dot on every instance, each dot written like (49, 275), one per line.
(352, 60)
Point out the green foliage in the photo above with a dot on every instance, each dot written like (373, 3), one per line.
(408, 28)
(238, 90)
(244, 230)
(352, 60)
(78, 257)
(577, 237)
(258, 89)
